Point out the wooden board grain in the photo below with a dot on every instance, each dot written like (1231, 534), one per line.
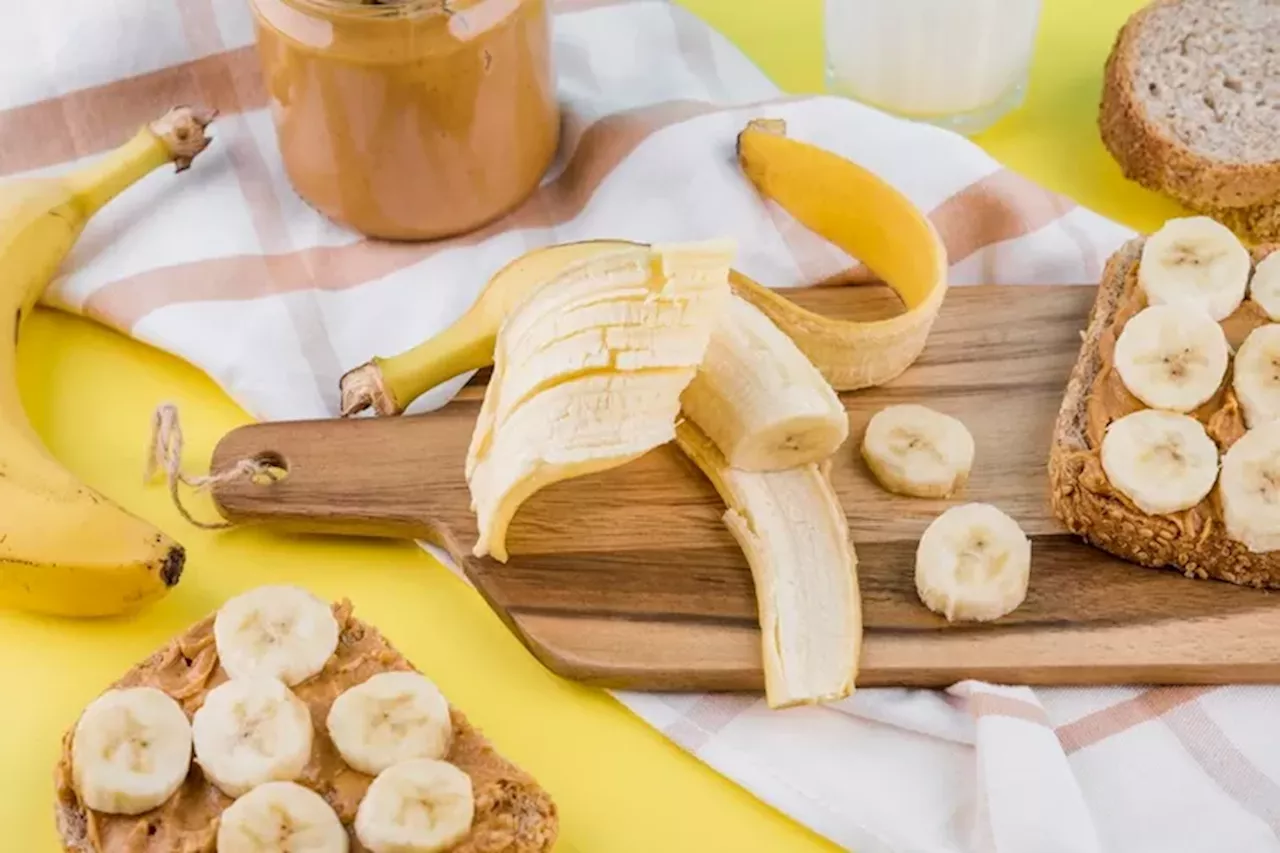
(629, 579)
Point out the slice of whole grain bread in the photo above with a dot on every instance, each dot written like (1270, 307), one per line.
(1191, 107)
(1108, 521)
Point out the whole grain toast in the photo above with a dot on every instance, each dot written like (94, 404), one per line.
(513, 814)
(1193, 542)
(1191, 108)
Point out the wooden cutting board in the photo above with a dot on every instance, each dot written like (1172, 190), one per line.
(628, 579)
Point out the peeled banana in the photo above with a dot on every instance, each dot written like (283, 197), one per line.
(973, 563)
(547, 418)
(64, 549)
(1195, 262)
(792, 529)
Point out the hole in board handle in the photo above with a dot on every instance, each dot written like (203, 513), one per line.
(276, 468)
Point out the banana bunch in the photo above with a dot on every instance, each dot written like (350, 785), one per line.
(64, 549)
(252, 738)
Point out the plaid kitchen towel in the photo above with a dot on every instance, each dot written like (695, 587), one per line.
(229, 270)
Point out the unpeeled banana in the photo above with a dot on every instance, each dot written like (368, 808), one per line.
(64, 548)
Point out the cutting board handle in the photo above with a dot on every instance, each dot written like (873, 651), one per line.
(344, 477)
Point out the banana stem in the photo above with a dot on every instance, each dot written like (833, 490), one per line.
(177, 138)
(388, 385)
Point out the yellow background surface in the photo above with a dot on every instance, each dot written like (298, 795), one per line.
(620, 785)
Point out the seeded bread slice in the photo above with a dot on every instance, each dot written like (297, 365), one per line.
(1080, 497)
(1191, 107)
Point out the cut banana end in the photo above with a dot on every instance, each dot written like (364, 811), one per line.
(1172, 357)
(1162, 461)
(388, 718)
(973, 564)
(417, 806)
(250, 731)
(760, 399)
(917, 451)
(1264, 287)
(793, 532)
(281, 817)
(1256, 375)
(1249, 487)
(1195, 262)
(563, 407)
(130, 751)
(280, 632)
(871, 221)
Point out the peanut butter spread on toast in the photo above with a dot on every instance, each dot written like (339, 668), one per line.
(1109, 400)
(512, 813)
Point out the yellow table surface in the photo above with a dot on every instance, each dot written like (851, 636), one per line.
(620, 785)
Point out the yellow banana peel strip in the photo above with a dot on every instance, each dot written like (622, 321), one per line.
(792, 530)
(870, 220)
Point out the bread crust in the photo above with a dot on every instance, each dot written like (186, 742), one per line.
(1109, 522)
(1150, 155)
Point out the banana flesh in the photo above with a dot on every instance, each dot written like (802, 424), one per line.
(1264, 287)
(64, 549)
(548, 417)
(1162, 461)
(1172, 356)
(1255, 378)
(792, 530)
(973, 564)
(1195, 262)
(281, 816)
(1249, 486)
(760, 399)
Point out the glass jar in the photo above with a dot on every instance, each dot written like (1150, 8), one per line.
(960, 64)
(411, 119)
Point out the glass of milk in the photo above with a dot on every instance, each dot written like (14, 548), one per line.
(960, 64)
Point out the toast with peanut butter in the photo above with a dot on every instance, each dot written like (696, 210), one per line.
(283, 722)
(1166, 450)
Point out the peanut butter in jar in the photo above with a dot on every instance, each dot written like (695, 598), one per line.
(411, 119)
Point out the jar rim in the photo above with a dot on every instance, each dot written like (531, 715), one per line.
(373, 11)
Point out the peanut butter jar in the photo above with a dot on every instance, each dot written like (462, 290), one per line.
(411, 119)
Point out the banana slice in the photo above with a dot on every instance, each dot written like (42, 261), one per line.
(130, 751)
(1196, 262)
(914, 450)
(1264, 288)
(416, 806)
(279, 631)
(250, 731)
(281, 817)
(1250, 488)
(1172, 357)
(391, 717)
(1162, 461)
(1256, 377)
(973, 564)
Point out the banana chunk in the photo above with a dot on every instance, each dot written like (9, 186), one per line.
(917, 451)
(1264, 288)
(250, 731)
(1250, 488)
(1195, 262)
(130, 751)
(281, 817)
(1256, 378)
(760, 399)
(1172, 357)
(416, 806)
(280, 631)
(973, 563)
(391, 717)
(1162, 461)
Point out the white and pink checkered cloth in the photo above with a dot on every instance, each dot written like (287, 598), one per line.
(232, 272)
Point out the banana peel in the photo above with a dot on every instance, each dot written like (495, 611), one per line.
(837, 199)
